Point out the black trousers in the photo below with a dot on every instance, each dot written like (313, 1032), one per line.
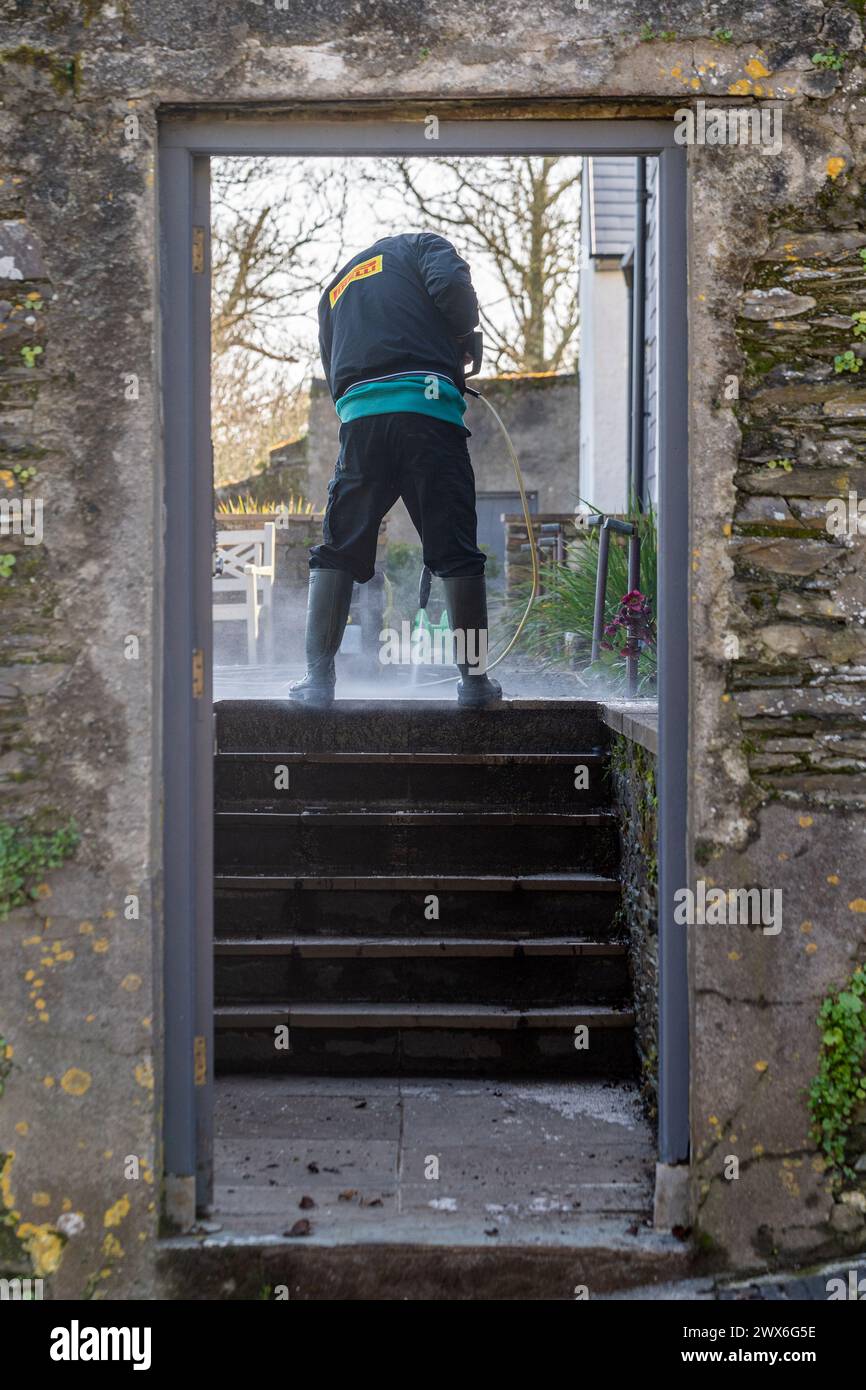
(419, 458)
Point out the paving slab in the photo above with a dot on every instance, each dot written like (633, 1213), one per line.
(515, 1160)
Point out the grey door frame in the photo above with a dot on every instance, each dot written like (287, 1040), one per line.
(186, 143)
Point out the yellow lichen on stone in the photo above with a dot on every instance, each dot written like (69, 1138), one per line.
(144, 1075)
(755, 68)
(117, 1212)
(41, 1199)
(761, 1066)
(6, 1192)
(835, 165)
(742, 88)
(805, 822)
(43, 1245)
(76, 1082)
(858, 905)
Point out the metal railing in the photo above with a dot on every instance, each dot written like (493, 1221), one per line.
(585, 521)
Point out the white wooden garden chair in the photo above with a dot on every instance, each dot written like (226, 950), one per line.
(249, 567)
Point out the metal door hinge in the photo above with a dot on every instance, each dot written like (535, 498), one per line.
(199, 1061)
(198, 250)
(197, 673)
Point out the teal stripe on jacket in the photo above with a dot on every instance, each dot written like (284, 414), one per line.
(412, 392)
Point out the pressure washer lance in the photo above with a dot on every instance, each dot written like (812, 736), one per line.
(426, 576)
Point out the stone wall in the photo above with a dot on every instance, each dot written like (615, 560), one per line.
(633, 770)
(83, 613)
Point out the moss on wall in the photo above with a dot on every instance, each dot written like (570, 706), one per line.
(633, 774)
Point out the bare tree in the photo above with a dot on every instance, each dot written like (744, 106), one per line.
(277, 226)
(516, 219)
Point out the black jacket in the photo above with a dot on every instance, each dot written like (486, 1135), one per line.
(399, 306)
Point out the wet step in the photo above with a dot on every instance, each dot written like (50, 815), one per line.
(433, 841)
(409, 726)
(281, 780)
(546, 970)
(485, 905)
(432, 1039)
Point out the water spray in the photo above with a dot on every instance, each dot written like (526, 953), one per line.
(426, 576)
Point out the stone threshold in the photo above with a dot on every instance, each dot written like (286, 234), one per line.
(637, 720)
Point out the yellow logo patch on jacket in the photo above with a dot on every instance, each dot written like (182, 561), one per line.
(358, 272)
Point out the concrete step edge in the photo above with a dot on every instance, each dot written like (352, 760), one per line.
(350, 947)
(418, 759)
(444, 883)
(497, 819)
(483, 1016)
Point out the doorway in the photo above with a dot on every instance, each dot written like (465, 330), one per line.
(187, 142)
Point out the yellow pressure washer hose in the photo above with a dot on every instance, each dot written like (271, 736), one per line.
(533, 550)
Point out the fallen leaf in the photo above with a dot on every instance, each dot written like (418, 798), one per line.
(300, 1228)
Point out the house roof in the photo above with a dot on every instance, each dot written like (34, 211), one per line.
(609, 191)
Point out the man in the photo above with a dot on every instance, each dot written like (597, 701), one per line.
(395, 326)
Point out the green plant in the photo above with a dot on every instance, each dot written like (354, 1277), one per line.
(786, 464)
(847, 362)
(5, 1066)
(862, 254)
(30, 354)
(24, 857)
(7, 564)
(840, 1085)
(648, 34)
(23, 475)
(831, 58)
(566, 605)
(723, 35)
(241, 505)
(859, 322)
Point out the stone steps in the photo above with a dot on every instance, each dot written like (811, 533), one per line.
(485, 905)
(430, 893)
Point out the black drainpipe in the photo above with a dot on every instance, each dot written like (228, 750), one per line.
(637, 365)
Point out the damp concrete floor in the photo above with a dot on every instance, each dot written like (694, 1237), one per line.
(452, 1161)
(271, 682)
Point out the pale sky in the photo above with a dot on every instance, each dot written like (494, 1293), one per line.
(370, 217)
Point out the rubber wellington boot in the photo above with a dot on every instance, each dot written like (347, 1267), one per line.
(328, 601)
(466, 601)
